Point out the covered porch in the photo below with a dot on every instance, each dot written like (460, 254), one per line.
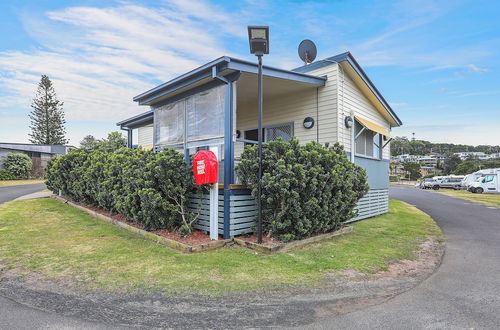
(216, 106)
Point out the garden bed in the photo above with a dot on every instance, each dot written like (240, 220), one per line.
(197, 241)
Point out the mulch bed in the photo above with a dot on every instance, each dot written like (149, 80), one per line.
(197, 237)
(266, 241)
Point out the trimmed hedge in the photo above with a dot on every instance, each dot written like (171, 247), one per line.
(306, 189)
(149, 188)
(18, 165)
(6, 175)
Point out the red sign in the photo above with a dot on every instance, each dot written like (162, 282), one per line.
(205, 167)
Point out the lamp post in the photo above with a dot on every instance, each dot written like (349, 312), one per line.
(258, 36)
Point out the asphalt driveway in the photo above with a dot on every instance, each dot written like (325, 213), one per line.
(13, 192)
(464, 293)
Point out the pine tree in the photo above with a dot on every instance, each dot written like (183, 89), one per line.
(47, 117)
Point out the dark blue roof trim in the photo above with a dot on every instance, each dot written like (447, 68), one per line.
(222, 64)
(347, 56)
(136, 120)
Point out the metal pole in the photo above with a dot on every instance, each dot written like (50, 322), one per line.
(259, 184)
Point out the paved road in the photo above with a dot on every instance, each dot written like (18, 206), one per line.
(464, 293)
(13, 192)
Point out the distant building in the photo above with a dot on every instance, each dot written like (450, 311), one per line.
(472, 154)
(427, 170)
(39, 154)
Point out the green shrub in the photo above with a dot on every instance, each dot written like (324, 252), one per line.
(149, 188)
(306, 189)
(19, 165)
(6, 175)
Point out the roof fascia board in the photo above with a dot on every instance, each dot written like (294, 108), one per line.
(352, 61)
(136, 119)
(181, 78)
(244, 66)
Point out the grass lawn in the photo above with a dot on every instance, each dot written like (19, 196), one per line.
(61, 242)
(487, 199)
(8, 183)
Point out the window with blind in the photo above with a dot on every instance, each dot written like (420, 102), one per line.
(367, 142)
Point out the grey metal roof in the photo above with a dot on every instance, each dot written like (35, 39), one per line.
(44, 148)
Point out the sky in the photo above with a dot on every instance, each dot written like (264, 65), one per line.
(436, 62)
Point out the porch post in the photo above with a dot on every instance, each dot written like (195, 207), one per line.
(129, 138)
(228, 155)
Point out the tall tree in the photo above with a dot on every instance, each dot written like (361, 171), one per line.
(47, 116)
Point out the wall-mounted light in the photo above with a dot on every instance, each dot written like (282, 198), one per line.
(348, 121)
(308, 122)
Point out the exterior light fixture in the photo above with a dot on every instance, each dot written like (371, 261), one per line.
(308, 122)
(258, 37)
(348, 121)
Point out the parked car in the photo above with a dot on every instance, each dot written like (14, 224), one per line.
(487, 183)
(453, 182)
(428, 183)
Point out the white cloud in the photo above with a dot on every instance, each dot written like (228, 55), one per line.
(99, 58)
(475, 68)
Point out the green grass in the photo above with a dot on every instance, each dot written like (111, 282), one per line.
(60, 242)
(8, 183)
(487, 199)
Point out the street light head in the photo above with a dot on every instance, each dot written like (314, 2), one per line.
(258, 36)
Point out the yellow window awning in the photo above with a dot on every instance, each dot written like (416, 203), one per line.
(372, 126)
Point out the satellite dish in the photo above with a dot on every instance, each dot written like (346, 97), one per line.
(307, 51)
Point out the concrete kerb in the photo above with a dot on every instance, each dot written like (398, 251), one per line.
(207, 246)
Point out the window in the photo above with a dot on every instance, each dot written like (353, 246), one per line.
(283, 131)
(199, 116)
(367, 142)
(169, 123)
(272, 132)
(488, 178)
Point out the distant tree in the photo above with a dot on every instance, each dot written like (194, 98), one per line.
(402, 145)
(88, 142)
(47, 116)
(412, 170)
(113, 142)
(468, 166)
(450, 164)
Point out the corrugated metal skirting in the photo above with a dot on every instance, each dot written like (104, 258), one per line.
(243, 211)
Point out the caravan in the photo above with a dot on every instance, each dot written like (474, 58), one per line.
(473, 177)
(488, 182)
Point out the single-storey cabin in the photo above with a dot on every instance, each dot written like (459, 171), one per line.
(330, 100)
(39, 154)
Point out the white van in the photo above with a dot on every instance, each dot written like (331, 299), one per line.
(471, 178)
(488, 183)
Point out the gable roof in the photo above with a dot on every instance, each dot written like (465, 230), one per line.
(347, 57)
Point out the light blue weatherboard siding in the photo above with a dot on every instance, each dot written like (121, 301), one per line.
(377, 171)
